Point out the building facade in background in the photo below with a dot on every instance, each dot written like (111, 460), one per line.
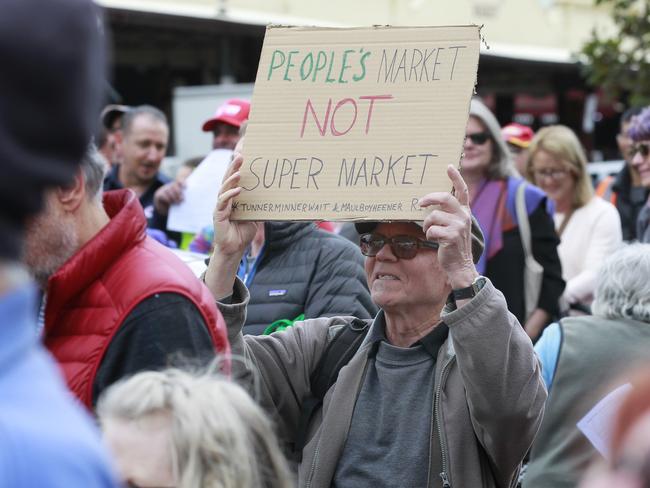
(528, 72)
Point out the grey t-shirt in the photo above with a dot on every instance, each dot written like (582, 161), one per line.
(389, 437)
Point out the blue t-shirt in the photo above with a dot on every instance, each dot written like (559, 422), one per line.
(548, 350)
(47, 440)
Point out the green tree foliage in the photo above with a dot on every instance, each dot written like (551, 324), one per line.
(620, 65)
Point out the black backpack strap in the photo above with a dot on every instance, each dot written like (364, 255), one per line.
(339, 351)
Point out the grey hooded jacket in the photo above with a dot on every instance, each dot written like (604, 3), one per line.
(488, 395)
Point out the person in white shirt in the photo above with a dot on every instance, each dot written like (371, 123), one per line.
(588, 226)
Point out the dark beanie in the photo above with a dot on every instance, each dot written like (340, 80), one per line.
(53, 64)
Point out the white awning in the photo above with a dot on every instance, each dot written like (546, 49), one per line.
(183, 9)
(255, 17)
(529, 53)
(211, 11)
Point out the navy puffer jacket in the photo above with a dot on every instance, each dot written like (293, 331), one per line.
(306, 270)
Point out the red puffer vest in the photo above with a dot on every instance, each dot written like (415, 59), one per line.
(90, 296)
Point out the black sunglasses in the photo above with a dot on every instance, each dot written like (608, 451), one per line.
(641, 147)
(403, 247)
(478, 138)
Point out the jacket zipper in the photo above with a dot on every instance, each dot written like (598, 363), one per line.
(433, 412)
(444, 475)
(313, 463)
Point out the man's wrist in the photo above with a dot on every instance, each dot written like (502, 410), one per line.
(220, 275)
(463, 279)
(462, 295)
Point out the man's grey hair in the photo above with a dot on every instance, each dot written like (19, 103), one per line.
(94, 167)
(135, 112)
(220, 436)
(623, 289)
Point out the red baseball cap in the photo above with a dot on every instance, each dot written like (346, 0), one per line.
(234, 112)
(517, 135)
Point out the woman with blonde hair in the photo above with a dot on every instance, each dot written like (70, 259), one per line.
(175, 429)
(588, 226)
(493, 184)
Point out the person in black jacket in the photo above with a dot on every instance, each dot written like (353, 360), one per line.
(295, 270)
(625, 189)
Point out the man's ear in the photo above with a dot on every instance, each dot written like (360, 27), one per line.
(71, 197)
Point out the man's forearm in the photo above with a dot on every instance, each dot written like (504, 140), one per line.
(501, 373)
(221, 273)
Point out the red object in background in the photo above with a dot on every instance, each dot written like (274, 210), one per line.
(328, 226)
(536, 106)
(233, 112)
(517, 134)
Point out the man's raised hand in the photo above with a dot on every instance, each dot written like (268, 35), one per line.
(450, 226)
(231, 237)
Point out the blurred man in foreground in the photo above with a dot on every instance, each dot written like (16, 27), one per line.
(115, 302)
(48, 116)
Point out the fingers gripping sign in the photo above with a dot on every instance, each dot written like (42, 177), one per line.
(450, 225)
(231, 237)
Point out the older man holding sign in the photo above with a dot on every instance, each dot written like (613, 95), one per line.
(442, 388)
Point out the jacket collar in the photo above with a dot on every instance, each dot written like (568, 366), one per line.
(433, 342)
(280, 234)
(126, 228)
(622, 181)
(622, 186)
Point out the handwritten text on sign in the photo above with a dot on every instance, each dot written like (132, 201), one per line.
(355, 123)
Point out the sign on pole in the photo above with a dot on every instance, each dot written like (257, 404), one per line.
(355, 124)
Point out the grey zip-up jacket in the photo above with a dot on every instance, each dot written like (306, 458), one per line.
(488, 396)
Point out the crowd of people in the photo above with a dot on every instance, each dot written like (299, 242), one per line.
(468, 349)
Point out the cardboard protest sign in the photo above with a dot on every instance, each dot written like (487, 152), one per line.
(355, 124)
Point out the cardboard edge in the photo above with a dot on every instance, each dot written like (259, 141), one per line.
(481, 40)
(374, 26)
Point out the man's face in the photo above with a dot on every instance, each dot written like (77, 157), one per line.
(641, 161)
(51, 239)
(406, 284)
(624, 142)
(225, 136)
(144, 148)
